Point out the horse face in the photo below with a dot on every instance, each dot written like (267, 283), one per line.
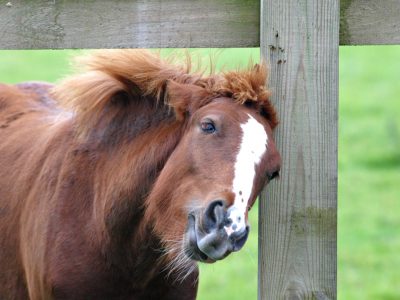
(229, 154)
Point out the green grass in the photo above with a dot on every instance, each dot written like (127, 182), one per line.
(369, 172)
(53, 65)
(38, 65)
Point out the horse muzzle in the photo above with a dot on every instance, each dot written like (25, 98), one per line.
(209, 236)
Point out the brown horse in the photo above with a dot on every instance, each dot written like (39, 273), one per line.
(114, 183)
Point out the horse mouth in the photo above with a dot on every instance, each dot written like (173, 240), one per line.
(192, 250)
(210, 246)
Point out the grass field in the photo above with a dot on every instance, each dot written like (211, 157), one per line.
(369, 173)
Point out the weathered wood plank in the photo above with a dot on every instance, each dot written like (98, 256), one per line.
(170, 23)
(126, 23)
(297, 233)
(369, 22)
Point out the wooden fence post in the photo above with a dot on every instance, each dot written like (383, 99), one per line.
(298, 213)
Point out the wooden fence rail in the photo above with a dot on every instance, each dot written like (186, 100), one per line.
(129, 24)
(58, 24)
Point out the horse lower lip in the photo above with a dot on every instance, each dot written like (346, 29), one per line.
(192, 250)
(201, 256)
(195, 253)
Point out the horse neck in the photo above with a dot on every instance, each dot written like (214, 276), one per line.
(126, 170)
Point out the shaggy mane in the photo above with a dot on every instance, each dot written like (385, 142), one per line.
(109, 73)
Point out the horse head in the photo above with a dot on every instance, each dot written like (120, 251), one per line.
(222, 155)
(224, 158)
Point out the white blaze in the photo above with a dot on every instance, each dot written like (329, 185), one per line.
(252, 148)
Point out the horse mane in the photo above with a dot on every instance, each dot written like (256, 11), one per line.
(132, 74)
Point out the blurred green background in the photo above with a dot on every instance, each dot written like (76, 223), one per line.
(369, 171)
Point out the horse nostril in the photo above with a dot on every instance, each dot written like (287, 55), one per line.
(214, 215)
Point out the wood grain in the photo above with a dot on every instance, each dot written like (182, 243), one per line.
(61, 24)
(128, 24)
(369, 22)
(297, 229)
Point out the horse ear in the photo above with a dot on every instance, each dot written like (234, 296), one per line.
(183, 98)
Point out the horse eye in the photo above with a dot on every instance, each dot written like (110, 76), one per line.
(208, 127)
(273, 175)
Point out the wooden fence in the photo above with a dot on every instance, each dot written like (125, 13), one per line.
(300, 39)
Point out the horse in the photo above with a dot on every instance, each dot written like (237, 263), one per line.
(117, 181)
